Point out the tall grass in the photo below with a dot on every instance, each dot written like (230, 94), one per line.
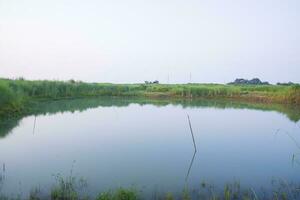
(14, 93)
(70, 189)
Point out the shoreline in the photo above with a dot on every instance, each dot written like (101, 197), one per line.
(8, 120)
(16, 95)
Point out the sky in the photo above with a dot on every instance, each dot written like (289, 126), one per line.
(173, 41)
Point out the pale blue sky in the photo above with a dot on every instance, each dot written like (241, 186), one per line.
(136, 40)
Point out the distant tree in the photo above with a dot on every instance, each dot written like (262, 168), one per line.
(254, 81)
(72, 81)
(21, 78)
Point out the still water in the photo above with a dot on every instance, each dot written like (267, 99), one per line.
(150, 146)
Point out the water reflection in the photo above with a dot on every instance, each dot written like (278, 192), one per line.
(195, 148)
(149, 143)
(72, 105)
(190, 166)
(34, 125)
(2, 175)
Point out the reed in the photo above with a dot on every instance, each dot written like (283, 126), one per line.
(70, 189)
(14, 94)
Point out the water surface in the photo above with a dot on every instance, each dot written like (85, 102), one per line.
(149, 145)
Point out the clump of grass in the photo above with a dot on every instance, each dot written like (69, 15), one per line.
(67, 188)
(186, 194)
(169, 196)
(119, 194)
(35, 194)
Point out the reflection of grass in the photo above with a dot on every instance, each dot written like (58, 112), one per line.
(7, 123)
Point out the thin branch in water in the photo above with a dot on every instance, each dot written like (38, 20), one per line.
(290, 136)
(276, 132)
(192, 132)
(190, 167)
(294, 159)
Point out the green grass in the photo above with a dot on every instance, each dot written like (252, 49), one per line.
(72, 187)
(69, 188)
(119, 194)
(14, 94)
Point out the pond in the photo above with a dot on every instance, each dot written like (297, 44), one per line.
(117, 142)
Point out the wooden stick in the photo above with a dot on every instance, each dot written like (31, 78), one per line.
(190, 167)
(192, 133)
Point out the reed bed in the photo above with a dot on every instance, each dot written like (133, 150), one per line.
(14, 94)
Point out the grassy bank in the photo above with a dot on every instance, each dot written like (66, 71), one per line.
(72, 188)
(14, 94)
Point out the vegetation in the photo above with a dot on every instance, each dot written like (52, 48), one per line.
(119, 194)
(254, 81)
(71, 188)
(19, 98)
(15, 94)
